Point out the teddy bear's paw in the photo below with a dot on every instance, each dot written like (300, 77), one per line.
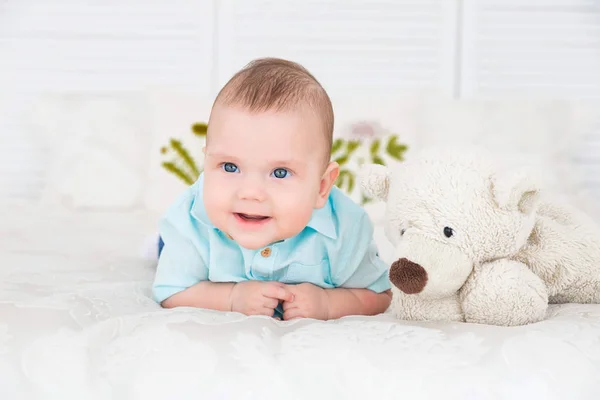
(505, 293)
(416, 308)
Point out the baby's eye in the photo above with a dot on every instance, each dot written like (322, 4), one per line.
(281, 173)
(230, 167)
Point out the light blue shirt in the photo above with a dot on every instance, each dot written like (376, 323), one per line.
(336, 249)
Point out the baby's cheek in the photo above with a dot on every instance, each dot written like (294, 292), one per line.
(211, 201)
(295, 221)
(294, 217)
(215, 206)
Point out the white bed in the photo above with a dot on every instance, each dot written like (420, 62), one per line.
(76, 322)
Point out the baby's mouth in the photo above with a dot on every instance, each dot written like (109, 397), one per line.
(251, 217)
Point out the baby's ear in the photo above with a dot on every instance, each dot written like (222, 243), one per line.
(516, 189)
(375, 181)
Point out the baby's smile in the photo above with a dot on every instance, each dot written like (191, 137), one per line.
(251, 220)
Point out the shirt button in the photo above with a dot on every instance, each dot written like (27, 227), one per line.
(266, 252)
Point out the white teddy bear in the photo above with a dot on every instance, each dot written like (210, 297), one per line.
(479, 243)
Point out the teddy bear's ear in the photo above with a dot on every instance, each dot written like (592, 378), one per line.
(516, 189)
(375, 181)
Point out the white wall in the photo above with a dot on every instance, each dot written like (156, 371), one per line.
(91, 90)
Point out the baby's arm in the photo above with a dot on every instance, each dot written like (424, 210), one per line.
(358, 274)
(314, 302)
(206, 294)
(182, 280)
(248, 297)
(344, 302)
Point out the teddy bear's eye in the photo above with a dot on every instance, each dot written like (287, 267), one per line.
(448, 232)
(402, 232)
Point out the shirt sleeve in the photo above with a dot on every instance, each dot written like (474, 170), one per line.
(358, 264)
(180, 264)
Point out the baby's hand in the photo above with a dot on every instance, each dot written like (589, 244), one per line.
(310, 301)
(258, 297)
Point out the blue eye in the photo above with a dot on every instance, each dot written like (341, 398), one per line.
(230, 167)
(281, 173)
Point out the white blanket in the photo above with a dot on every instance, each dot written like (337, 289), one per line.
(77, 322)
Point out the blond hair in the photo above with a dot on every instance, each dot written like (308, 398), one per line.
(281, 85)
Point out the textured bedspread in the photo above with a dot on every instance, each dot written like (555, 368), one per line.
(77, 322)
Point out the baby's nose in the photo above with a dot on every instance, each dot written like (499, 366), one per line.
(408, 276)
(251, 190)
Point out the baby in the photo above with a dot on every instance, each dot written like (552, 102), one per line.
(264, 231)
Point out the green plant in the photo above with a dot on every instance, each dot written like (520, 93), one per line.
(182, 164)
(345, 152)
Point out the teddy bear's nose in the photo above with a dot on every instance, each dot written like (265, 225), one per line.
(408, 276)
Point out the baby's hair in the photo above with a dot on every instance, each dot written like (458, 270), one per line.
(281, 85)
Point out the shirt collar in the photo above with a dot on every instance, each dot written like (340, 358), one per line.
(198, 211)
(322, 219)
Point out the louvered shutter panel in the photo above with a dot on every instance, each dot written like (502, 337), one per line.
(91, 47)
(75, 45)
(534, 48)
(542, 48)
(355, 48)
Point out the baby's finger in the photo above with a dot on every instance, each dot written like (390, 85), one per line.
(289, 305)
(277, 292)
(271, 303)
(266, 311)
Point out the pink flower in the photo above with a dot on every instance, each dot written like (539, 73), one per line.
(364, 130)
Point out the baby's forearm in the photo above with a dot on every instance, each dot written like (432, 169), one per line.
(344, 302)
(210, 295)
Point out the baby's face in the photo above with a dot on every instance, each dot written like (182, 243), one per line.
(264, 173)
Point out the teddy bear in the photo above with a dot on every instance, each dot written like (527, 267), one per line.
(478, 240)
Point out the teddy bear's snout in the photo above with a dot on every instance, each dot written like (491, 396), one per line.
(408, 276)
